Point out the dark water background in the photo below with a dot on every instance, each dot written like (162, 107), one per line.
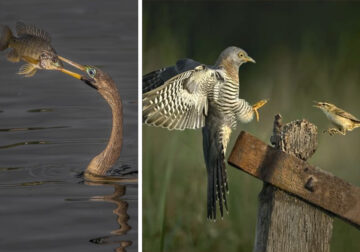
(51, 125)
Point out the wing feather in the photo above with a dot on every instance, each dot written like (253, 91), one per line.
(157, 78)
(181, 102)
(347, 115)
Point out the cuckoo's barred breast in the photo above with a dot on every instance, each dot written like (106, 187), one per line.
(227, 101)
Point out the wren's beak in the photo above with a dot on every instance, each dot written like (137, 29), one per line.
(317, 104)
(87, 80)
(249, 59)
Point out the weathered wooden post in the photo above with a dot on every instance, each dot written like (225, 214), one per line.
(286, 222)
(298, 200)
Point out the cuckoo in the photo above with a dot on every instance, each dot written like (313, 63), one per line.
(191, 95)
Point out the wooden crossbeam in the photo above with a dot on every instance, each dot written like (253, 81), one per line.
(297, 177)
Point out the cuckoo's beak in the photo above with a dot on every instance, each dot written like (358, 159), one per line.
(249, 59)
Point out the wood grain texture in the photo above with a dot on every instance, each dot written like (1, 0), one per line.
(286, 221)
(295, 176)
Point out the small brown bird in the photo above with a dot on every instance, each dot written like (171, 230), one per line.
(343, 120)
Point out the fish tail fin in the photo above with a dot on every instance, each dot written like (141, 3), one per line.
(5, 37)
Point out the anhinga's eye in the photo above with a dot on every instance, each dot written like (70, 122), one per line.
(91, 72)
(241, 54)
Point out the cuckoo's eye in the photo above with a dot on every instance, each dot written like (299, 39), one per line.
(91, 71)
(241, 54)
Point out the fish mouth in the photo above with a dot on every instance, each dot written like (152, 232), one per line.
(83, 78)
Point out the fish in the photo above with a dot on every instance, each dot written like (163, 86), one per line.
(32, 45)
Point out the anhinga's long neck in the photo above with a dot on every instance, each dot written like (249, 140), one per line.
(107, 158)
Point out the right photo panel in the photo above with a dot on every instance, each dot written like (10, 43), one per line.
(250, 113)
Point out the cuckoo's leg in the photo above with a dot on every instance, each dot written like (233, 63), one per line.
(258, 105)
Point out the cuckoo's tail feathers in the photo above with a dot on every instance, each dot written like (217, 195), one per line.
(217, 186)
(215, 164)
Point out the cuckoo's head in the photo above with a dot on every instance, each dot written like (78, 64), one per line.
(234, 56)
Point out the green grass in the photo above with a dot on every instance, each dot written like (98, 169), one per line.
(298, 60)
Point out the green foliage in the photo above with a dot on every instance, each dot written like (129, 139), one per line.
(301, 56)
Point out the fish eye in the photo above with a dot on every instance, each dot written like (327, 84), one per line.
(91, 71)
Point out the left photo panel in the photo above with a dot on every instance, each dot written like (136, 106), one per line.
(69, 125)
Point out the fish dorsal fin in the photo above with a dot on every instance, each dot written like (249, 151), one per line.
(22, 29)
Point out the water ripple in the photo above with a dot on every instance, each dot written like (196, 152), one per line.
(32, 128)
(40, 110)
(22, 143)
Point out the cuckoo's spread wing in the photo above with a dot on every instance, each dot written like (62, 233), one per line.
(215, 140)
(159, 77)
(182, 101)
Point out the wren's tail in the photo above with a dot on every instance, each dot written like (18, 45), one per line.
(357, 124)
(5, 37)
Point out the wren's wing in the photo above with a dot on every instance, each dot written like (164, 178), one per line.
(215, 140)
(182, 101)
(347, 115)
(159, 77)
(23, 29)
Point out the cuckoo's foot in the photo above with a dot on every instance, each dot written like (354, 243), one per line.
(258, 105)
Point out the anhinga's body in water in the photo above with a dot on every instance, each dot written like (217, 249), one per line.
(103, 83)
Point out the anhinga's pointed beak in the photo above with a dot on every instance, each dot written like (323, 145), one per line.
(85, 79)
(68, 72)
(72, 63)
(249, 59)
(73, 74)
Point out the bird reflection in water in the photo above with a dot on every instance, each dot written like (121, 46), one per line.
(122, 217)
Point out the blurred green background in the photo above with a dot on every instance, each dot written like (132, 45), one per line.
(304, 52)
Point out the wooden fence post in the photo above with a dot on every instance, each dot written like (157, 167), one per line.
(286, 223)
